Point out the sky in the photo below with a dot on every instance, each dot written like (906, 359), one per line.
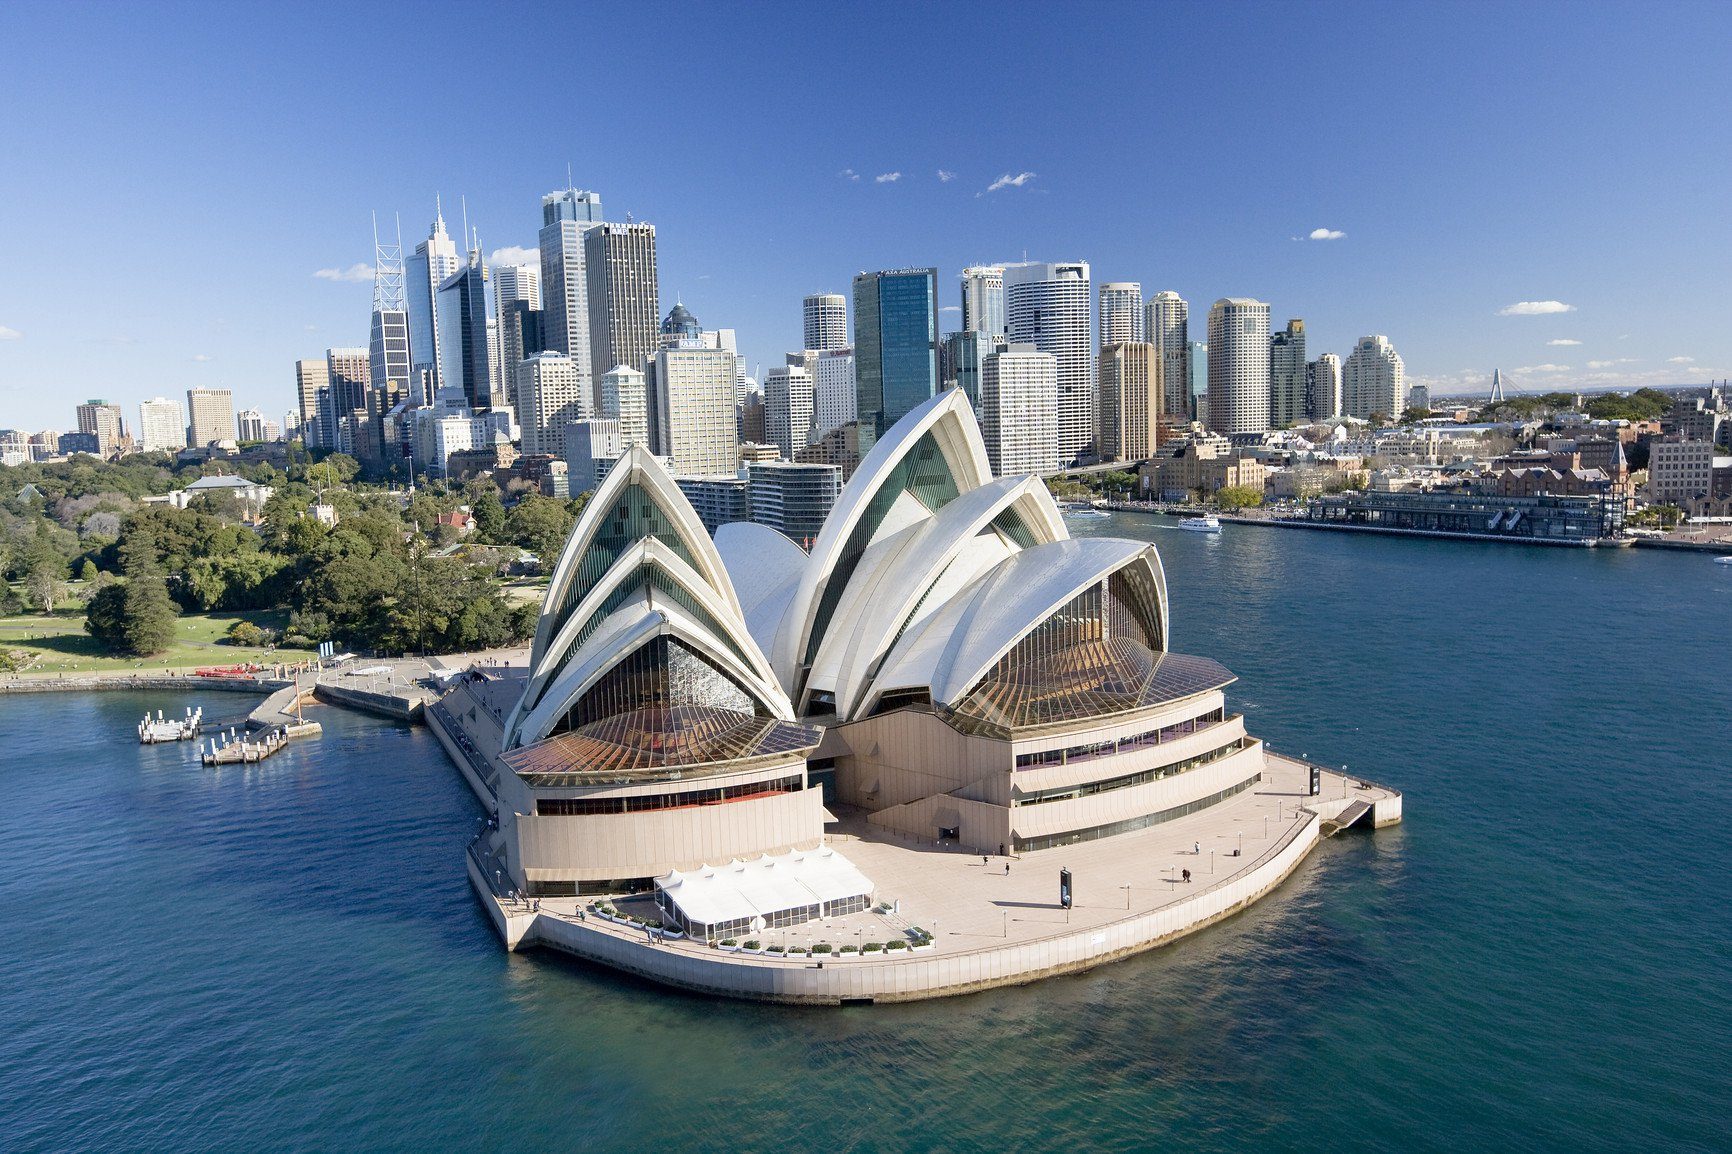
(1541, 188)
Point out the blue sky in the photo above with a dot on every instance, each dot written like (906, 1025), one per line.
(175, 176)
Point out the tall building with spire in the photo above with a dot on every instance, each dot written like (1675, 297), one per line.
(388, 346)
(433, 262)
(565, 216)
(466, 367)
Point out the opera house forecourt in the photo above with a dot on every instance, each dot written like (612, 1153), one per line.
(949, 748)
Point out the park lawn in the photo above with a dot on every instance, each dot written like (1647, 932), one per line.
(59, 644)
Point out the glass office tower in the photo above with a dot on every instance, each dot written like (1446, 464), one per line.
(895, 346)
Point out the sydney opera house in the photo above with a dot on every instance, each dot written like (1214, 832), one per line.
(945, 660)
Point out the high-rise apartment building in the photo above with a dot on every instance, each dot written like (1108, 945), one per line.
(983, 300)
(565, 216)
(1373, 380)
(161, 427)
(793, 498)
(1287, 376)
(1049, 305)
(833, 398)
(692, 409)
(1323, 387)
(433, 262)
(1166, 320)
(102, 420)
(624, 297)
(549, 397)
(211, 416)
(1197, 378)
(1131, 415)
(1019, 411)
(465, 361)
(826, 321)
(1121, 313)
(895, 346)
(312, 383)
(1238, 366)
(625, 401)
(788, 409)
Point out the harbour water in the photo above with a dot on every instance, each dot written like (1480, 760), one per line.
(286, 955)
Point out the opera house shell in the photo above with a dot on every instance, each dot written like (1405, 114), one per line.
(946, 659)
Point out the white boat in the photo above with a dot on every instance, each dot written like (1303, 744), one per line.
(1723, 560)
(1207, 523)
(1081, 509)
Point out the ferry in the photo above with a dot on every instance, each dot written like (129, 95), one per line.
(1207, 523)
(1081, 509)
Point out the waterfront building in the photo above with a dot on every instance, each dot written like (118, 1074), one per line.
(1679, 470)
(788, 409)
(895, 345)
(826, 321)
(624, 296)
(1166, 321)
(466, 375)
(550, 396)
(1323, 388)
(1019, 419)
(793, 498)
(1200, 467)
(433, 262)
(211, 415)
(1541, 519)
(1288, 376)
(1373, 380)
(1131, 412)
(833, 391)
(1047, 305)
(625, 399)
(1122, 317)
(691, 392)
(565, 216)
(1238, 366)
(983, 300)
(161, 427)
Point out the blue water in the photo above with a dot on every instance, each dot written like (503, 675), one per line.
(287, 957)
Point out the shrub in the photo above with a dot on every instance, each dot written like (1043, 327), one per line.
(872, 948)
(729, 942)
(821, 948)
(796, 949)
(754, 944)
(896, 946)
(850, 949)
(773, 949)
(248, 634)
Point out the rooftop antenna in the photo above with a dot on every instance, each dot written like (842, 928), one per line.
(465, 202)
(569, 183)
(438, 212)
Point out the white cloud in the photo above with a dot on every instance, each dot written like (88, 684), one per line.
(848, 174)
(1562, 341)
(310, 328)
(1009, 181)
(1545, 368)
(353, 274)
(1535, 309)
(950, 309)
(201, 358)
(1611, 363)
(1327, 234)
(887, 178)
(515, 254)
(946, 176)
(1680, 360)
(7, 334)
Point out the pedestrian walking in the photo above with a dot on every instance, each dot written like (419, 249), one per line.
(1197, 848)
(1187, 875)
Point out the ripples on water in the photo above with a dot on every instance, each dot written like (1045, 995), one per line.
(287, 957)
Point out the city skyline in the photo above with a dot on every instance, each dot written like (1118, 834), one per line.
(1478, 249)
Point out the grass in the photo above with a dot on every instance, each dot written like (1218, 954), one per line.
(59, 644)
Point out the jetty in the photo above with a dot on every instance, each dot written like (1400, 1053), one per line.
(238, 747)
(152, 731)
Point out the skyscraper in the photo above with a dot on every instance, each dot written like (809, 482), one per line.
(1324, 387)
(250, 425)
(895, 346)
(102, 420)
(161, 426)
(465, 364)
(1197, 378)
(826, 317)
(1131, 415)
(624, 297)
(1048, 305)
(1166, 320)
(433, 262)
(963, 354)
(692, 408)
(1019, 412)
(625, 400)
(1121, 313)
(548, 398)
(565, 216)
(343, 403)
(1238, 366)
(1373, 380)
(1287, 376)
(210, 416)
(517, 308)
(983, 300)
(833, 396)
(788, 409)
(388, 347)
(312, 383)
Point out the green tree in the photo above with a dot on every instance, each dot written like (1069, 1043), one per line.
(1232, 497)
(489, 513)
(540, 525)
(87, 570)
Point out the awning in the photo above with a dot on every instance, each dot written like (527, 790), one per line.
(765, 886)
